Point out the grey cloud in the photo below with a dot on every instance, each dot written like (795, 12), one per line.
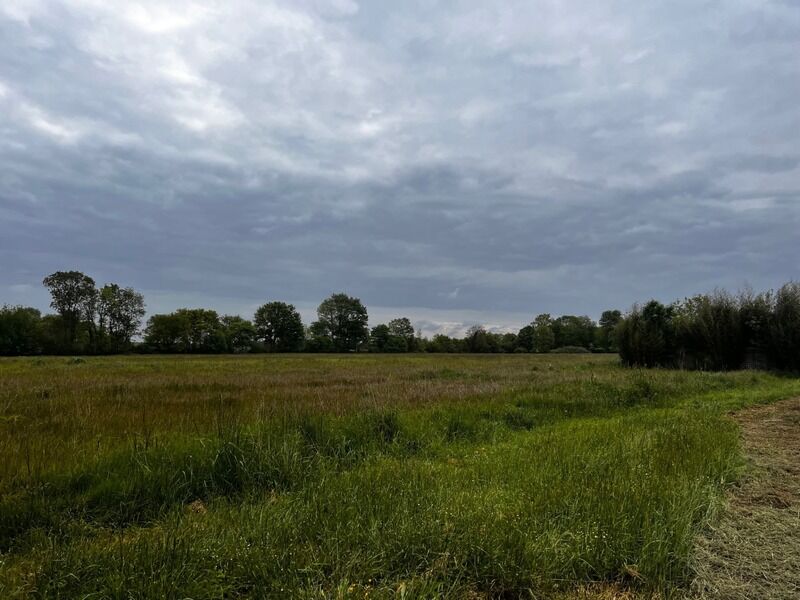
(532, 157)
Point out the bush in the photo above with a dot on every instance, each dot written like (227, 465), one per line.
(569, 350)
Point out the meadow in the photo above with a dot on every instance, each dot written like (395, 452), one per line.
(355, 476)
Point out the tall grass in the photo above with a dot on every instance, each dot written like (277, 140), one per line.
(344, 476)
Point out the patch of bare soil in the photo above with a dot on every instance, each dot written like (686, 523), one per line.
(753, 552)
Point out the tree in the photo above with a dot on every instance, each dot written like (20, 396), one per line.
(167, 333)
(19, 331)
(543, 336)
(396, 344)
(74, 297)
(343, 319)
(477, 339)
(317, 338)
(784, 331)
(709, 332)
(646, 336)
(378, 337)
(443, 343)
(403, 328)
(186, 330)
(569, 330)
(279, 326)
(120, 312)
(605, 332)
(239, 333)
(508, 342)
(525, 338)
(383, 338)
(204, 330)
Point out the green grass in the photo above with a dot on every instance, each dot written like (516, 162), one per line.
(358, 476)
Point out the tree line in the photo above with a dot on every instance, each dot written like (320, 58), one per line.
(106, 320)
(717, 331)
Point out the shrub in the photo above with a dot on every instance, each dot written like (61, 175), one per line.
(570, 350)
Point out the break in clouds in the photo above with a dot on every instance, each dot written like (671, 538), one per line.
(450, 161)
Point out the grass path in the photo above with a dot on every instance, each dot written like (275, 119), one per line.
(754, 550)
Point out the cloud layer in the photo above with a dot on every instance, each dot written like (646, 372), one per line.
(452, 161)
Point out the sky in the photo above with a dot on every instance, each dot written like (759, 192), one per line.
(453, 162)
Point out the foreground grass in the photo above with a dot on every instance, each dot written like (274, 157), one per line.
(396, 477)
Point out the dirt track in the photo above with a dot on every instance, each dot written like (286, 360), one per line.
(754, 550)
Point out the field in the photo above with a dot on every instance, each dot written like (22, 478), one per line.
(361, 476)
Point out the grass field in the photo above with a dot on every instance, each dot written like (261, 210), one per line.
(315, 476)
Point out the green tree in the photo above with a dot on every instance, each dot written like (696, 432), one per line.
(525, 338)
(442, 343)
(167, 332)
(396, 343)
(709, 332)
(403, 328)
(508, 342)
(205, 330)
(279, 327)
(19, 331)
(784, 331)
(195, 330)
(239, 333)
(343, 319)
(119, 311)
(378, 337)
(74, 297)
(604, 335)
(382, 338)
(318, 339)
(478, 340)
(543, 336)
(646, 336)
(570, 330)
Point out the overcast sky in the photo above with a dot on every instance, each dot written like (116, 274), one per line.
(456, 162)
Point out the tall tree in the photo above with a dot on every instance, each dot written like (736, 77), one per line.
(543, 336)
(279, 327)
(525, 338)
(646, 336)
(343, 319)
(784, 335)
(205, 330)
(120, 311)
(606, 326)
(403, 328)
(74, 297)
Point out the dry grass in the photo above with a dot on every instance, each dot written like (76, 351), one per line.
(754, 550)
